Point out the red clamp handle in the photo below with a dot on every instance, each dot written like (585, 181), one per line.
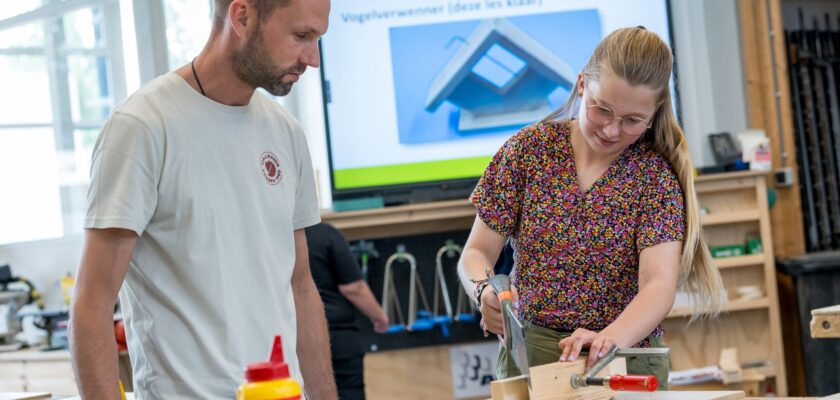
(636, 383)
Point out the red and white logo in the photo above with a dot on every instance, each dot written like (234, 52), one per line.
(270, 166)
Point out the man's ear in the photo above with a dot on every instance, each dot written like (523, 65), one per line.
(240, 16)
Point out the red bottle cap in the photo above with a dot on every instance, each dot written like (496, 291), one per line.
(270, 370)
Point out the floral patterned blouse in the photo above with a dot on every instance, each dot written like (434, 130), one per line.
(577, 254)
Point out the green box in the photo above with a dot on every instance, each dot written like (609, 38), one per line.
(754, 246)
(733, 250)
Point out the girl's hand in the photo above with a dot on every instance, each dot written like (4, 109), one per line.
(491, 311)
(598, 343)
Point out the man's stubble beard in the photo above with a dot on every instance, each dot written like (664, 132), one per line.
(252, 65)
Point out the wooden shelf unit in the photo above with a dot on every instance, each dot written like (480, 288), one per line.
(737, 207)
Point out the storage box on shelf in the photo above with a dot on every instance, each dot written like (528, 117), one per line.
(737, 213)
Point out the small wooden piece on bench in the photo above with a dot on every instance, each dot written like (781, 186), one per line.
(825, 322)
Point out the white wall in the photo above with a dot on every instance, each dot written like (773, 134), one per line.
(709, 69)
(711, 84)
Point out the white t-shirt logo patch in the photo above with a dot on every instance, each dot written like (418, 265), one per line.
(271, 168)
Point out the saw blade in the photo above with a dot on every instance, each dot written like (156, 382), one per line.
(518, 349)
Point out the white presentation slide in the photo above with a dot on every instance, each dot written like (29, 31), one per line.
(412, 81)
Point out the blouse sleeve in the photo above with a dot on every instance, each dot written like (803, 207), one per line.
(498, 195)
(662, 214)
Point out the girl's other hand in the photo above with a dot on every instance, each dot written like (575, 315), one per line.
(598, 344)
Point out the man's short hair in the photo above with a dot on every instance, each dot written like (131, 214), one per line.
(263, 7)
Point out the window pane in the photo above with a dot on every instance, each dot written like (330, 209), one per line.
(83, 28)
(498, 66)
(29, 35)
(31, 205)
(26, 86)
(74, 179)
(12, 8)
(510, 61)
(90, 94)
(187, 28)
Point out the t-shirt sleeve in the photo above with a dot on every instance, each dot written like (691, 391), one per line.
(125, 170)
(498, 195)
(307, 212)
(662, 215)
(346, 269)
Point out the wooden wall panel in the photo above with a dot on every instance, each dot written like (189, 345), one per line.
(768, 103)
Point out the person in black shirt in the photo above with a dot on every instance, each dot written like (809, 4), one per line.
(339, 281)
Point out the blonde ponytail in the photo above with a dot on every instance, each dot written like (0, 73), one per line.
(641, 58)
(698, 274)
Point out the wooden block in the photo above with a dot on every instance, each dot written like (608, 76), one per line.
(515, 388)
(554, 382)
(825, 322)
(730, 366)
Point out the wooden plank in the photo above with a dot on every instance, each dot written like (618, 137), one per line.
(553, 382)
(825, 322)
(833, 310)
(25, 396)
(412, 219)
(730, 217)
(731, 307)
(681, 395)
(771, 287)
(729, 176)
(515, 388)
(739, 261)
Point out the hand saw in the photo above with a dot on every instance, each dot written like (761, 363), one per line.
(514, 328)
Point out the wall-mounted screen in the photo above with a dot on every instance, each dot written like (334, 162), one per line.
(425, 92)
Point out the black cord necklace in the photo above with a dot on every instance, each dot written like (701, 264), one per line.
(192, 64)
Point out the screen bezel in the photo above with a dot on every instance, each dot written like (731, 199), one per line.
(449, 188)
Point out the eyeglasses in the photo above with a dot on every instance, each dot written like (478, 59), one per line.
(603, 116)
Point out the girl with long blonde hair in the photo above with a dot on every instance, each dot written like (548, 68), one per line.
(598, 200)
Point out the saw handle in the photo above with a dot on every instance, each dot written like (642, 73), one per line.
(501, 285)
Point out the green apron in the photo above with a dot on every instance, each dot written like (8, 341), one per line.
(543, 349)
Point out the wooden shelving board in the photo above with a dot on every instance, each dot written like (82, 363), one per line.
(740, 261)
(732, 217)
(440, 216)
(732, 306)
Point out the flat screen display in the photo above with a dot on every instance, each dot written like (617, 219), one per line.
(420, 92)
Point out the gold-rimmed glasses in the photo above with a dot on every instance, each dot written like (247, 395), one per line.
(603, 116)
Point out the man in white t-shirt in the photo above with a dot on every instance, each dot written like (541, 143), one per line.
(200, 192)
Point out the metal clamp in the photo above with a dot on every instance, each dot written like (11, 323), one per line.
(579, 380)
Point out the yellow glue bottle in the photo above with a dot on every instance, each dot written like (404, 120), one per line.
(269, 380)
